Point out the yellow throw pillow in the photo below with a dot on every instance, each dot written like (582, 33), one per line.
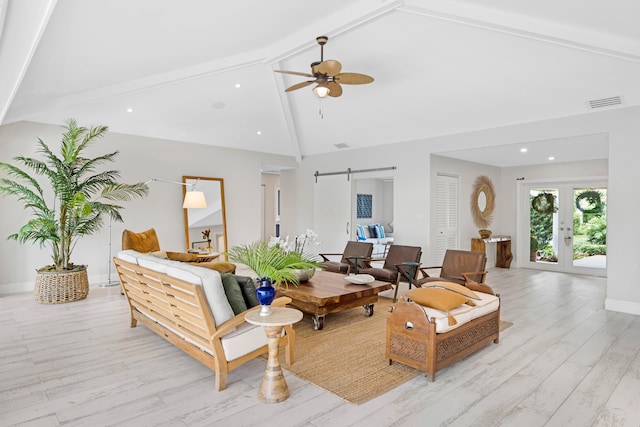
(182, 256)
(438, 298)
(454, 287)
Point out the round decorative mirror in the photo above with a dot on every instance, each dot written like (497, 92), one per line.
(482, 202)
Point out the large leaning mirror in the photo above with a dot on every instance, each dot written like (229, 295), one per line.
(213, 218)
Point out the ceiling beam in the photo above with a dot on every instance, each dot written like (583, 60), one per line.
(22, 27)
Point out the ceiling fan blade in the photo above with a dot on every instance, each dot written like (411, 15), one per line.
(335, 89)
(295, 73)
(352, 78)
(330, 67)
(299, 85)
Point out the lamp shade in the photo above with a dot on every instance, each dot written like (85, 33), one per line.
(194, 200)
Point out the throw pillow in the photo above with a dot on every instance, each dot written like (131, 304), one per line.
(454, 287)
(360, 232)
(379, 231)
(234, 293)
(248, 291)
(144, 242)
(182, 256)
(438, 298)
(373, 231)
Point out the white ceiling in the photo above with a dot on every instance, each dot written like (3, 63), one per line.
(440, 67)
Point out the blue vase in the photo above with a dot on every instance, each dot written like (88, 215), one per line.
(265, 293)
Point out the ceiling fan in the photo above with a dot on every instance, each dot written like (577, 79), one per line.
(327, 75)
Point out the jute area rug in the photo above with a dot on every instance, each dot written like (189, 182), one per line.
(347, 357)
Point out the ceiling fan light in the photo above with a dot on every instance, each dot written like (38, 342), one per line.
(321, 91)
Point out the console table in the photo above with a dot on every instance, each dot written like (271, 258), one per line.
(503, 249)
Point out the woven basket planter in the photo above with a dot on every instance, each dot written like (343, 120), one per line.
(58, 287)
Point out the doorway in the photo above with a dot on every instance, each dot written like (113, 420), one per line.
(564, 227)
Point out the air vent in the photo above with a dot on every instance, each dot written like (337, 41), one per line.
(341, 145)
(605, 102)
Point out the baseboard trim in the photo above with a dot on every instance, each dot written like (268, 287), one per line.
(622, 306)
(17, 288)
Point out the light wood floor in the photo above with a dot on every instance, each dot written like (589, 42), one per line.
(564, 362)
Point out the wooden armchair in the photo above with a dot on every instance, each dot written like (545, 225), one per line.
(462, 267)
(393, 269)
(353, 248)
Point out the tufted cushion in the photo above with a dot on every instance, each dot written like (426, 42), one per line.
(438, 298)
(144, 242)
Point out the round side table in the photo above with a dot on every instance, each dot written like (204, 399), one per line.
(273, 388)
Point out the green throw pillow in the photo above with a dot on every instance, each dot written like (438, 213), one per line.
(234, 293)
(248, 291)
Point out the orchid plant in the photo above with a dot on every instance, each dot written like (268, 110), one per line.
(299, 242)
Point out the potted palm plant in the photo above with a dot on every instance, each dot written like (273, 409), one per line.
(274, 264)
(73, 204)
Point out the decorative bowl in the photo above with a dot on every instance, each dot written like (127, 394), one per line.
(484, 233)
(360, 279)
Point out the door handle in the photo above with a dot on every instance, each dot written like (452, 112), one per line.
(347, 230)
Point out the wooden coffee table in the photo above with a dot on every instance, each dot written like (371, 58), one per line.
(329, 292)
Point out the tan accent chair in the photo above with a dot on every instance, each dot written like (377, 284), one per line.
(393, 270)
(353, 248)
(461, 267)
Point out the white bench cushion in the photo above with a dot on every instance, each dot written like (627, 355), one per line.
(464, 313)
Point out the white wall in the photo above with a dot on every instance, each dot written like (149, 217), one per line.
(467, 172)
(139, 160)
(142, 158)
(413, 177)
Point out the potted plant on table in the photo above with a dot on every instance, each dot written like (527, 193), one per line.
(274, 264)
(77, 199)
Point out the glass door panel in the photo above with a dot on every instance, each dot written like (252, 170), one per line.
(565, 227)
(589, 228)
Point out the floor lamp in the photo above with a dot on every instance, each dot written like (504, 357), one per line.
(192, 200)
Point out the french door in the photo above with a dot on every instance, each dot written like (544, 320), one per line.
(563, 227)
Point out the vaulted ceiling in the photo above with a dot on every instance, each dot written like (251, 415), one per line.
(202, 71)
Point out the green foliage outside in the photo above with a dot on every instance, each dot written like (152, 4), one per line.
(596, 230)
(589, 225)
(541, 224)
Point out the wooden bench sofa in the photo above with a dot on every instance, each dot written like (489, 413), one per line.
(422, 337)
(181, 303)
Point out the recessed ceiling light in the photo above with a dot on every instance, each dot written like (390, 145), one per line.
(237, 84)
(259, 132)
(523, 150)
(551, 158)
(129, 110)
